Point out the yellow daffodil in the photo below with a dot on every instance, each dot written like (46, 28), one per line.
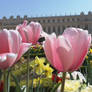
(47, 82)
(37, 82)
(91, 63)
(86, 57)
(48, 71)
(90, 50)
(38, 65)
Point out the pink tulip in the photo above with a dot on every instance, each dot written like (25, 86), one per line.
(30, 33)
(11, 48)
(67, 52)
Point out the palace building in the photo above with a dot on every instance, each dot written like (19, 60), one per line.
(51, 24)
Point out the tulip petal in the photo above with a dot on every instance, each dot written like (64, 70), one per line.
(36, 30)
(79, 41)
(51, 54)
(11, 41)
(28, 34)
(83, 53)
(23, 48)
(2, 58)
(5, 39)
(7, 60)
(65, 53)
(21, 29)
(15, 41)
(44, 34)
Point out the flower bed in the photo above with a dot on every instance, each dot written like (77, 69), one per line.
(28, 64)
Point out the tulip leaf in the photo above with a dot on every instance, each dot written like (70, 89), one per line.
(8, 81)
(89, 74)
(55, 87)
(38, 86)
(18, 88)
(23, 89)
(71, 77)
(0, 74)
(31, 88)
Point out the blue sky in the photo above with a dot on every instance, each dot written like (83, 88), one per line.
(43, 7)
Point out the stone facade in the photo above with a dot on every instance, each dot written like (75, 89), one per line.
(51, 24)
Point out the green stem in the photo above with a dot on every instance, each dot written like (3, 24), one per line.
(87, 72)
(5, 81)
(8, 80)
(28, 59)
(63, 82)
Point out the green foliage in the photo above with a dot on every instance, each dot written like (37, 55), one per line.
(20, 69)
(89, 73)
(55, 87)
(0, 74)
(87, 66)
(36, 50)
(18, 87)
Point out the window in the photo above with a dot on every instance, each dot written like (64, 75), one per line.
(63, 20)
(63, 28)
(78, 19)
(49, 29)
(48, 20)
(86, 27)
(72, 19)
(67, 20)
(68, 26)
(53, 28)
(78, 26)
(43, 21)
(39, 21)
(58, 29)
(73, 25)
(58, 20)
(44, 28)
(53, 20)
(0, 24)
